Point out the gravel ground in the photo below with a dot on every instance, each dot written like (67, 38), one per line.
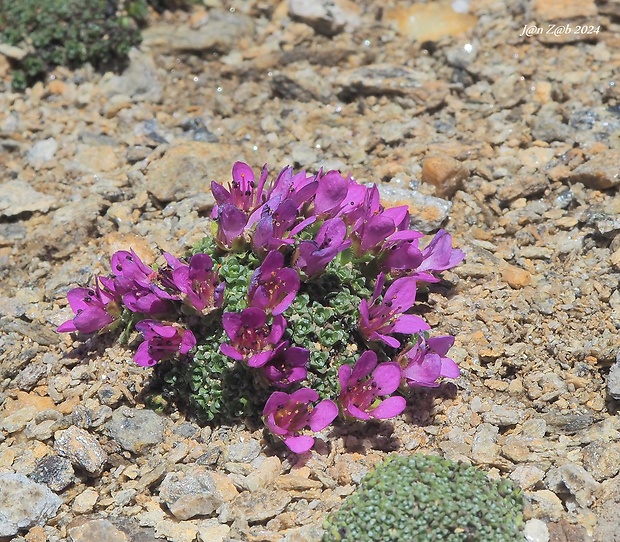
(495, 125)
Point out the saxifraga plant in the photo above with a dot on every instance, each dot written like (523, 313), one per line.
(425, 498)
(298, 306)
(72, 32)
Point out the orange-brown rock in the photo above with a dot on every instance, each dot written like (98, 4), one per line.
(446, 174)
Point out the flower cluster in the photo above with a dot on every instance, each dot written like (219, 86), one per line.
(307, 282)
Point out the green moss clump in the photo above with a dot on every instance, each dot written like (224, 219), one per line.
(322, 318)
(65, 32)
(421, 498)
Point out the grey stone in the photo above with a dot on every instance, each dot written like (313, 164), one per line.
(54, 471)
(579, 482)
(100, 530)
(602, 459)
(187, 169)
(601, 171)
(546, 504)
(392, 80)
(328, 17)
(29, 376)
(462, 56)
(255, 506)
(522, 185)
(608, 512)
(243, 452)
(536, 530)
(18, 197)
(42, 152)
(17, 421)
(503, 416)
(82, 449)
(186, 430)
(484, 448)
(613, 381)
(221, 33)
(549, 125)
(24, 503)
(139, 82)
(135, 430)
(196, 492)
(265, 474)
(109, 395)
(527, 476)
(564, 531)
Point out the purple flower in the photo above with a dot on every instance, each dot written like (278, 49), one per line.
(277, 226)
(438, 255)
(230, 225)
(379, 319)
(128, 267)
(251, 339)
(147, 301)
(400, 253)
(94, 308)
(288, 365)
(352, 207)
(273, 287)
(297, 188)
(286, 415)
(425, 362)
(331, 191)
(312, 257)
(362, 385)
(243, 192)
(162, 342)
(134, 281)
(376, 226)
(198, 282)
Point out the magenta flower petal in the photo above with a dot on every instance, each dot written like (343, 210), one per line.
(220, 194)
(425, 362)
(441, 345)
(286, 415)
(323, 414)
(449, 368)
(377, 230)
(361, 388)
(399, 216)
(378, 320)
(426, 372)
(402, 293)
(387, 376)
(250, 335)
(387, 339)
(389, 408)
(300, 444)
(88, 321)
(187, 342)
(258, 360)
(304, 395)
(229, 351)
(364, 365)
(95, 308)
(409, 323)
(142, 356)
(162, 342)
(331, 191)
(344, 375)
(66, 327)
(275, 399)
(439, 254)
(353, 410)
